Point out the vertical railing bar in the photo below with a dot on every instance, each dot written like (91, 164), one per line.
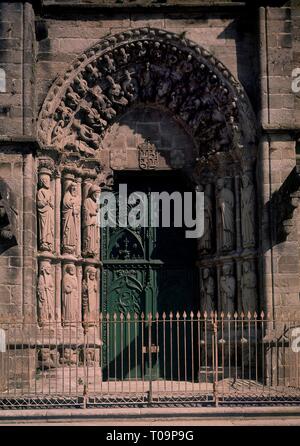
(8, 358)
(136, 351)
(206, 353)
(95, 356)
(143, 354)
(50, 344)
(178, 350)
(243, 355)
(22, 359)
(199, 348)
(171, 349)
(184, 352)
(262, 353)
(249, 351)
(129, 356)
(222, 353)
(55, 324)
(63, 359)
(150, 356)
(229, 347)
(157, 353)
(107, 351)
(192, 350)
(43, 367)
(116, 326)
(164, 352)
(236, 347)
(122, 351)
(101, 351)
(256, 349)
(29, 331)
(78, 324)
(36, 358)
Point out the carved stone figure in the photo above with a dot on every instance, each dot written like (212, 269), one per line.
(48, 358)
(116, 93)
(90, 226)
(90, 356)
(207, 291)
(248, 217)
(45, 293)
(7, 237)
(225, 209)
(227, 289)
(70, 219)
(205, 242)
(70, 295)
(69, 356)
(147, 83)
(89, 292)
(45, 210)
(249, 289)
(130, 86)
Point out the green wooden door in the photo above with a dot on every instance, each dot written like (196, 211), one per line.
(145, 270)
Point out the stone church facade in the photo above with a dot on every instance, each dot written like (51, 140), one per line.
(94, 91)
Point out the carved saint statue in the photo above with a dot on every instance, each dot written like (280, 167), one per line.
(205, 242)
(225, 209)
(90, 226)
(249, 289)
(70, 295)
(227, 289)
(70, 219)
(89, 300)
(247, 203)
(207, 291)
(45, 210)
(45, 293)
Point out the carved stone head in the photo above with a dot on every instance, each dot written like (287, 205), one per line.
(227, 270)
(70, 269)
(90, 273)
(246, 267)
(73, 189)
(44, 181)
(206, 273)
(45, 267)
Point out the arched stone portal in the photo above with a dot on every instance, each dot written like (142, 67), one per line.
(144, 69)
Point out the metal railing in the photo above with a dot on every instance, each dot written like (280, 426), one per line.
(187, 359)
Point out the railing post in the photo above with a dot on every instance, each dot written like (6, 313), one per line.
(215, 344)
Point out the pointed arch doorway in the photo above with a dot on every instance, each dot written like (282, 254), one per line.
(146, 271)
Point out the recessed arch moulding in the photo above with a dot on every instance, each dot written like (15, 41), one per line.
(137, 68)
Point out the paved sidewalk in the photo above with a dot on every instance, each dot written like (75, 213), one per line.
(225, 416)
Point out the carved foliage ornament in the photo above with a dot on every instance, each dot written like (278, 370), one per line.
(146, 66)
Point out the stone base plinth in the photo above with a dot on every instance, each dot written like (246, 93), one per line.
(69, 380)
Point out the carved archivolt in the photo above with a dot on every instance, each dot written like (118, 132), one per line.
(147, 66)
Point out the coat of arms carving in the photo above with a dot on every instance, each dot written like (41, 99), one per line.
(148, 156)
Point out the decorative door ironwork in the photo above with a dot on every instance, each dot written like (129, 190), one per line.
(145, 270)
